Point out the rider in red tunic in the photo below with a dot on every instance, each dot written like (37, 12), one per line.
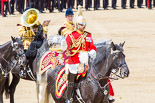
(79, 41)
(81, 46)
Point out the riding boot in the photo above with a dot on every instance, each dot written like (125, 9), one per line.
(71, 78)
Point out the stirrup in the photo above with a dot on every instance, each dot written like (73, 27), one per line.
(5, 75)
(69, 100)
(22, 74)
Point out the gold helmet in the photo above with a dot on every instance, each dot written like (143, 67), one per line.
(30, 17)
(80, 19)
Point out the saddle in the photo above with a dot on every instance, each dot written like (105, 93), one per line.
(61, 81)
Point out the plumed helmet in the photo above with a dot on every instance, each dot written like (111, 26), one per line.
(30, 17)
(69, 12)
(80, 19)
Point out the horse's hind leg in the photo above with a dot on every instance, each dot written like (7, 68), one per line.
(12, 87)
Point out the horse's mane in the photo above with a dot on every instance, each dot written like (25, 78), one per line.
(43, 48)
(5, 44)
(118, 47)
(102, 50)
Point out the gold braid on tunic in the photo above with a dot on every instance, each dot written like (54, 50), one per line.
(77, 42)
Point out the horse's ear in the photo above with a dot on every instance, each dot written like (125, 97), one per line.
(13, 39)
(122, 44)
(113, 46)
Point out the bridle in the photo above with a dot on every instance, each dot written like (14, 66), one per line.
(18, 55)
(113, 76)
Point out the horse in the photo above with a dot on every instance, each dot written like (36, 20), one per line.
(94, 88)
(11, 56)
(33, 75)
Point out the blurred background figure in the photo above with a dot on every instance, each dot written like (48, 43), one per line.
(79, 2)
(4, 7)
(123, 4)
(65, 4)
(51, 4)
(149, 4)
(41, 6)
(12, 6)
(96, 4)
(87, 4)
(28, 3)
(139, 3)
(114, 4)
(20, 6)
(105, 4)
(0, 7)
(70, 3)
(132, 4)
(61, 5)
(90, 4)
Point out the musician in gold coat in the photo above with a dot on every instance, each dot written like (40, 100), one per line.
(68, 25)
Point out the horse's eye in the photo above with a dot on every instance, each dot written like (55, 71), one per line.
(119, 61)
(16, 44)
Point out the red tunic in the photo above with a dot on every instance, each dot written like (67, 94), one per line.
(5, 0)
(87, 45)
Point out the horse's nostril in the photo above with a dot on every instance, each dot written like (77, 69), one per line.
(126, 74)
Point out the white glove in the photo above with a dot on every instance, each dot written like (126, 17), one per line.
(92, 54)
(83, 57)
(63, 45)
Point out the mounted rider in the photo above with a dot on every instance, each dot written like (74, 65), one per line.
(81, 46)
(68, 25)
(32, 33)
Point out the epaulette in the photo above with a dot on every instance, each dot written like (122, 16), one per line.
(19, 24)
(87, 32)
(73, 31)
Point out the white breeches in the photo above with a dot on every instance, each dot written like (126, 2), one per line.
(72, 68)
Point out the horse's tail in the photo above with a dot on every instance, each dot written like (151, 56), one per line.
(7, 86)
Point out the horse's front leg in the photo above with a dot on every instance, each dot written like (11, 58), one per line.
(106, 96)
(12, 87)
(42, 93)
(1, 93)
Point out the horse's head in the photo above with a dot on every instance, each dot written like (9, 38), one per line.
(119, 62)
(19, 50)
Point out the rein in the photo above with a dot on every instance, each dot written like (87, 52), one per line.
(12, 66)
(2, 68)
(104, 77)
